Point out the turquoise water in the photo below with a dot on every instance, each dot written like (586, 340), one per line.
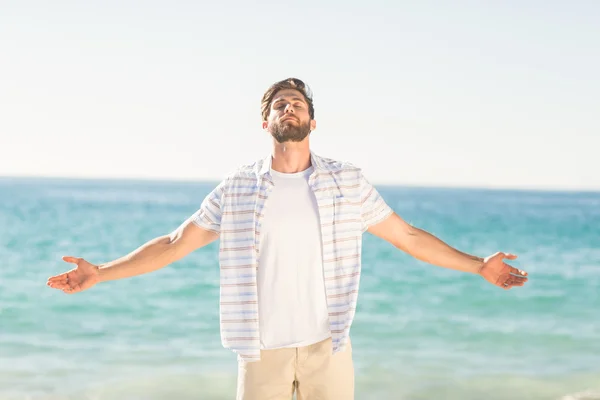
(421, 332)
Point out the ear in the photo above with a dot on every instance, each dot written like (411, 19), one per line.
(313, 125)
(265, 124)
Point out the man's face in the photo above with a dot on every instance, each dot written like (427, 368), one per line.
(289, 119)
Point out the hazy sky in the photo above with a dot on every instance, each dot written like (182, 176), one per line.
(478, 93)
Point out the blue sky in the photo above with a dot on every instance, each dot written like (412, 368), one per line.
(487, 94)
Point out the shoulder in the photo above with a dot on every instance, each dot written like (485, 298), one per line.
(243, 173)
(249, 170)
(337, 166)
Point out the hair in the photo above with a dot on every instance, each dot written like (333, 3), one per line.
(289, 83)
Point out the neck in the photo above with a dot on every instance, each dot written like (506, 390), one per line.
(291, 157)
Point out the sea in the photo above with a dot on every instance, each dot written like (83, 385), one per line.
(421, 331)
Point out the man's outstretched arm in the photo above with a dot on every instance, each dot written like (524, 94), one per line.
(428, 248)
(197, 231)
(154, 254)
(159, 252)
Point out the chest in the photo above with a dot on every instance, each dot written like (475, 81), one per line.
(332, 203)
(291, 205)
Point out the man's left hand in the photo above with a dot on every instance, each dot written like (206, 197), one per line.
(497, 272)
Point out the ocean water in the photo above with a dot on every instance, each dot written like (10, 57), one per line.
(421, 332)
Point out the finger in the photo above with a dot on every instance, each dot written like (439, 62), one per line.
(515, 279)
(61, 277)
(510, 256)
(510, 283)
(58, 278)
(517, 272)
(70, 259)
(59, 286)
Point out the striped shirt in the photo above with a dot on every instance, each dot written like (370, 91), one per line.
(348, 204)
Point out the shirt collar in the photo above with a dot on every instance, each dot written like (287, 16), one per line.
(315, 160)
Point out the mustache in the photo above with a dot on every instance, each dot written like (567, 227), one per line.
(289, 133)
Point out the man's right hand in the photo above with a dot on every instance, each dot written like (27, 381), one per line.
(82, 277)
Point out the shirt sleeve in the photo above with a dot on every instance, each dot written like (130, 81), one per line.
(209, 215)
(373, 208)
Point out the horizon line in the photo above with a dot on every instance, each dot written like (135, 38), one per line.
(374, 182)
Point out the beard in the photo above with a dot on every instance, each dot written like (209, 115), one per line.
(288, 132)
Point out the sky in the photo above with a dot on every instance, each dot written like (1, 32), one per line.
(428, 93)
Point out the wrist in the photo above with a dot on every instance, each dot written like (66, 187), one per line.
(478, 264)
(100, 273)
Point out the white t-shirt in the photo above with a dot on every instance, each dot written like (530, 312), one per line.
(292, 304)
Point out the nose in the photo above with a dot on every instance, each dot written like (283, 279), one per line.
(289, 109)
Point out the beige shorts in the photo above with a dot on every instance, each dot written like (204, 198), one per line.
(312, 371)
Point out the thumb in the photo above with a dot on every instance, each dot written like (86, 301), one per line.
(510, 256)
(70, 259)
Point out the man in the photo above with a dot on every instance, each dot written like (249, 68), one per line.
(290, 229)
